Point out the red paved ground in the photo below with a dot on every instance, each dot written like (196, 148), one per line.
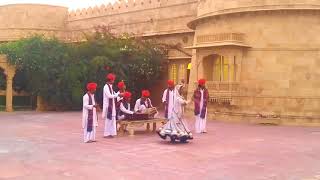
(49, 146)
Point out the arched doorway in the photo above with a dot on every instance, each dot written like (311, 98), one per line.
(21, 99)
(3, 86)
(9, 72)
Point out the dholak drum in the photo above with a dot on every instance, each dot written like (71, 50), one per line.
(138, 116)
(148, 114)
(151, 112)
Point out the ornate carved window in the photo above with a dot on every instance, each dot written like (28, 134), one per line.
(178, 70)
(220, 68)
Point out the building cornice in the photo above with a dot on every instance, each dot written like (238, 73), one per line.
(306, 7)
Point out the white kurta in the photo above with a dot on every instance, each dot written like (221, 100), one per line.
(171, 101)
(124, 110)
(141, 107)
(200, 125)
(89, 136)
(110, 128)
(176, 126)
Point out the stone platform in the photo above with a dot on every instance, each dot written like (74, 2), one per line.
(38, 146)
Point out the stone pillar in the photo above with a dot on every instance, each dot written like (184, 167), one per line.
(230, 80)
(9, 93)
(231, 60)
(239, 66)
(193, 74)
(40, 104)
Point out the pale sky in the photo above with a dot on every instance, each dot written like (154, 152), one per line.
(72, 4)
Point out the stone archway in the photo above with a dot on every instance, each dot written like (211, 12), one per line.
(9, 71)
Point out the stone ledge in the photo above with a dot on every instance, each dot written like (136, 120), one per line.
(193, 24)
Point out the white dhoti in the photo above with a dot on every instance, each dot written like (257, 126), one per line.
(89, 136)
(110, 128)
(200, 125)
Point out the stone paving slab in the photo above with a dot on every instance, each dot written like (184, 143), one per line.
(37, 146)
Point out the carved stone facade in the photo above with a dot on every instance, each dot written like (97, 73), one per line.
(261, 58)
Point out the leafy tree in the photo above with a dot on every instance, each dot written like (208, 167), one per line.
(58, 71)
(42, 64)
(136, 61)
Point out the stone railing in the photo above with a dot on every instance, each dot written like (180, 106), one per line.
(222, 37)
(222, 92)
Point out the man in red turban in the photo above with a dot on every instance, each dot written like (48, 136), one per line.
(122, 88)
(144, 102)
(109, 107)
(125, 109)
(168, 99)
(89, 114)
(201, 98)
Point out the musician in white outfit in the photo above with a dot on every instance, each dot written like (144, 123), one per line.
(168, 99)
(109, 107)
(89, 114)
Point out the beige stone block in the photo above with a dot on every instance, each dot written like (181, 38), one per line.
(301, 68)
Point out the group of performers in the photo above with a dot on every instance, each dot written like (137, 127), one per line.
(176, 128)
(116, 106)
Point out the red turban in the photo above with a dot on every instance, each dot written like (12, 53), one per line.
(170, 83)
(127, 95)
(145, 93)
(202, 82)
(111, 77)
(91, 86)
(121, 85)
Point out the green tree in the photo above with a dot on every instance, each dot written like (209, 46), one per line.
(59, 72)
(136, 61)
(42, 64)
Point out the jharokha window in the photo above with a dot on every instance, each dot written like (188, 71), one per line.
(173, 72)
(178, 70)
(220, 68)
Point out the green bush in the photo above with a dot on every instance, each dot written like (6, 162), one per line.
(59, 72)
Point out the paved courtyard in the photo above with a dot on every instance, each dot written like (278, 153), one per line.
(49, 146)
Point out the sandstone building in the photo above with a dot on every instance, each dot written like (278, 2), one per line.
(261, 57)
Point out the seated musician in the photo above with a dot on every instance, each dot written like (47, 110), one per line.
(144, 103)
(124, 110)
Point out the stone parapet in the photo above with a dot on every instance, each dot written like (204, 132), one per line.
(141, 18)
(210, 8)
(121, 7)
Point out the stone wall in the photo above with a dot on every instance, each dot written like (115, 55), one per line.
(142, 18)
(280, 69)
(21, 20)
